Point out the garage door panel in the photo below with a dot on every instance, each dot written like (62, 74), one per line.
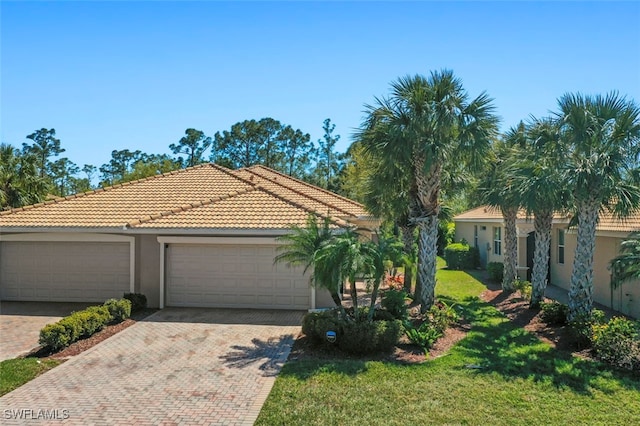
(241, 276)
(63, 271)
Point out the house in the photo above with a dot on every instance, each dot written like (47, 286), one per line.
(202, 237)
(483, 227)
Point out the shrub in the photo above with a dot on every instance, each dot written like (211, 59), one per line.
(440, 316)
(119, 310)
(446, 234)
(554, 313)
(54, 336)
(583, 326)
(618, 343)
(524, 287)
(394, 301)
(461, 256)
(138, 301)
(362, 337)
(495, 270)
(424, 336)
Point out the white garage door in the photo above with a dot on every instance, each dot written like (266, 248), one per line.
(63, 271)
(233, 276)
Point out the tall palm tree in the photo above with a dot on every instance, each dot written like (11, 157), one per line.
(539, 181)
(20, 182)
(496, 188)
(424, 125)
(626, 266)
(602, 135)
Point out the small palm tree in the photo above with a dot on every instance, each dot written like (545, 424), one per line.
(626, 266)
(20, 182)
(601, 135)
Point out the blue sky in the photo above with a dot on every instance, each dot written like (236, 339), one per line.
(135, 75)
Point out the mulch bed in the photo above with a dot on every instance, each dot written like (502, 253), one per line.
(84, 344)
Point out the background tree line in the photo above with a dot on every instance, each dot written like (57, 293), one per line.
(37, 171)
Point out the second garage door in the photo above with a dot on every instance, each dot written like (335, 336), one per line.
(233, 276)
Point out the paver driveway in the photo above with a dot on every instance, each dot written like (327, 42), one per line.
(179, 366)
(20, 324)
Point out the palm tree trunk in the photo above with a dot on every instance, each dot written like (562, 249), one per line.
(354, 298)
(542, 225)
(510, 216)
(374, 297)
(581, 290)
(428, 228)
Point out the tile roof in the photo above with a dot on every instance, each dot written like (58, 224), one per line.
(201, 197)
(606, 221)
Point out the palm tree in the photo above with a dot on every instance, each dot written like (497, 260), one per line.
(497, 189)
(299, 248)
(424, 125)
(20, 183)
(601, 135)
(540, 184)
(626, 266)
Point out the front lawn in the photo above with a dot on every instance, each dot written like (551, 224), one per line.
(498, 374)
(16, 372)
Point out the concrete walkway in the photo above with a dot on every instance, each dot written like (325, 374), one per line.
(179, 366)
(21, 322)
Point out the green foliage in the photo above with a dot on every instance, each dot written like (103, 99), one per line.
(138, 301)
(193, 145)
(495, 270)
(363, 337)
(582, 326)
(441, 316)
(554, 313)
(119, 310)
(524, 287)
(446, 235)
(394, 301)
(54, 336)
(18, 371)
(328, 162)
(424, 336)
(618, 343)
(461, 256)
(626, 266)
(20, 182)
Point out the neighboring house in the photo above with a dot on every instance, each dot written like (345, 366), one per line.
(483, 227)
(201, 237)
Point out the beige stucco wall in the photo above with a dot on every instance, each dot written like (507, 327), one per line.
(464, 230)
(323, 299)
(148, 268)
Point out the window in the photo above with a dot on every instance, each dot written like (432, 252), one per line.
(475, 236)
(497, 241)
(561, 246)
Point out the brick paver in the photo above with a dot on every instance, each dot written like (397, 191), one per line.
(180, 366)
(20, 324)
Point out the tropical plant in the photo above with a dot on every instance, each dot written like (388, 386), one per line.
(20, 182)
(626, 266)
(538, 179)
(601, 135)
(426, 124)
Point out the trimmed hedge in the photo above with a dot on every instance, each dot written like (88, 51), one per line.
(461, 256)
(138, 301)
(495, 270)
(84, 323)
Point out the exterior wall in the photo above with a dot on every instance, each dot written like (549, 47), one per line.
(323, 299)
(148, 268)
(561, 273)
(465, 230)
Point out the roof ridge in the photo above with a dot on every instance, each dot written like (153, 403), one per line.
(189, 206)
(104, 188)
(306, 184)
(333, 206)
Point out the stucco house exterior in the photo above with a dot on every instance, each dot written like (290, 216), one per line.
(483, 227)
(202, 237)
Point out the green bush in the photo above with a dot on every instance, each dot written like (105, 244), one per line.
(424, 336)
(583, 326)
(119, 310)
(54, 336)
(461, 256)
(440, 316)
(138, 301)
(446, 234)
(394, 301)
(495, 270)
(524, 287)
(554, 313)
(618, 343)
(362, 337)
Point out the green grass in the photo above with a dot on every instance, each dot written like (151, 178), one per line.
(16, 372)
(499, 375)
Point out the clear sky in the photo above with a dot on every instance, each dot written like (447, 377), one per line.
(135, 75)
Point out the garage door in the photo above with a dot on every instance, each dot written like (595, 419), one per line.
(63, 271)
(233, 276)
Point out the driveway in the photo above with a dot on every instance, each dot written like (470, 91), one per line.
(20, 324)
(178, 366)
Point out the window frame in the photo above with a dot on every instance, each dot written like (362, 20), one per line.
(497, 240)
